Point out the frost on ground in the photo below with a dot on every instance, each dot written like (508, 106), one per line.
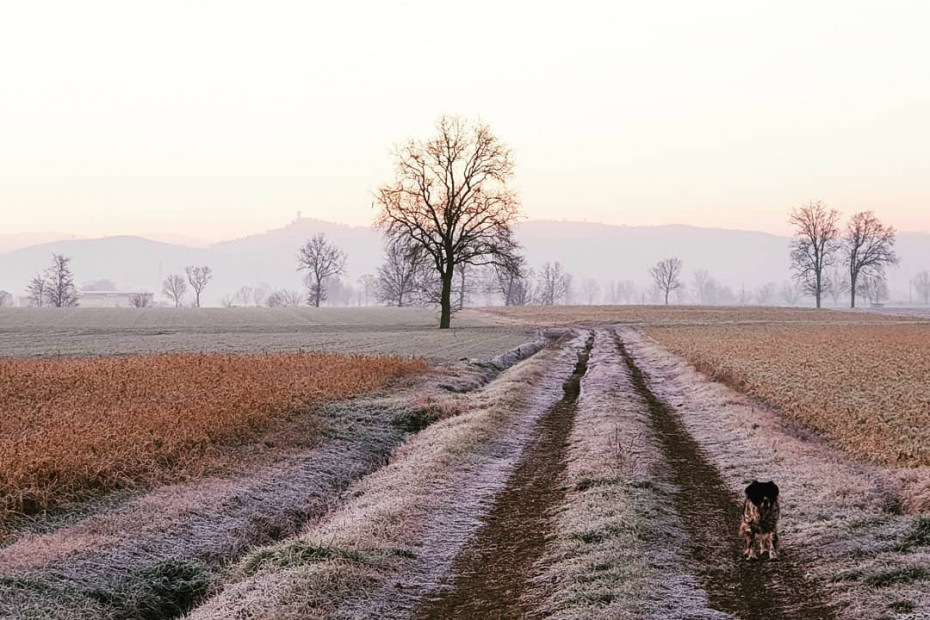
(397, 536)
(157, 554)
(370, 331)
(616, 551)
(842, 516)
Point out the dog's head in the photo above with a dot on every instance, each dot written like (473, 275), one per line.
(762, 494)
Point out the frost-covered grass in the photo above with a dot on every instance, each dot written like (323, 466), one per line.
(844, 517)
(399, 533)
(369, 331)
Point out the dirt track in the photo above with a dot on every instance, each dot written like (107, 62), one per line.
(493, 576)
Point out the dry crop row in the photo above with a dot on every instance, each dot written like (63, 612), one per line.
(864, 387)
(69, 427)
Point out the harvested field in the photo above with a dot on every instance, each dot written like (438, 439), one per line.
(367, 331)
(682, 315)
(72, 427)
(863, 387)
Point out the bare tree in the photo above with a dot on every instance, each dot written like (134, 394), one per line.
(367, 284)
(873, 287)
(174, 287)
(36, 290)
(868, 246)
(744, 297)
(322, 260)
(790, 293)
(816, 233)
(837, 283)
(450, 198)
(6, 299)
(258, 294)
(283, 298)
(228, 301)
(591, 291)
(766, 293)
(198, 278)
(921, 283)
(702, 282)
(59, 283)
(403, 277)
(553, 284)
(513, 281)
(244, 295)
(140, 300)
(666, 275)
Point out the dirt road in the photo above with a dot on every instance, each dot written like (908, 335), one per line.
(497, 575)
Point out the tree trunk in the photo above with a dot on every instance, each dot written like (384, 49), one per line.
(852, 290)
(666, 297)
(445, 301)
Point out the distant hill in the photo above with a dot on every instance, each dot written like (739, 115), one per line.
(598, 251)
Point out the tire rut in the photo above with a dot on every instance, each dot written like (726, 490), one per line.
(492, 573)
(710, 513)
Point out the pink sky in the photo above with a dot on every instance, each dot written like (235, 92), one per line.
(226, 118)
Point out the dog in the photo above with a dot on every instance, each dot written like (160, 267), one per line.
(759, 523)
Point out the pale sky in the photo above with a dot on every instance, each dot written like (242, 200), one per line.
(219, 119)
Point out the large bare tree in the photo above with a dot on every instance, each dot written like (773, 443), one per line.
(174, 287)
(868, 246)
(403, 275)
(813, 248)
(322, 260)
(667, 276)
(702, 284)
(60, 291)
(198, 278)
(921, 282)
(450, 197)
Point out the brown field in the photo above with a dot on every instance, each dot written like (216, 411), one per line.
(685, 315)
(69, 427)
(864, 387)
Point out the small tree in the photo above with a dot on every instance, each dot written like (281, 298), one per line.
(59, 283)
(450, 198)
(591, 291)
(258, 294)
(873, 287)
(666, 275)
(174, 287)
(702, 284)
(244, 296)
(283, 298)
(868, 247)
(766, 293)
(921, 283)
(790, 293)
(367, 284)
(36, 290)
(815, 242)
(403, 276)
(837, 283)
(553, 284)
(322, 260)
(198, 278)
(6, 299)
(513, 281)
(140, 300)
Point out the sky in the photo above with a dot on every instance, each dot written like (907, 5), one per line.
(216, 119)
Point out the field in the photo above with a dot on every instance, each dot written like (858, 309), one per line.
(681, 315)
(864, 387)
(75, 426)
(371, 331)
(597, 470)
